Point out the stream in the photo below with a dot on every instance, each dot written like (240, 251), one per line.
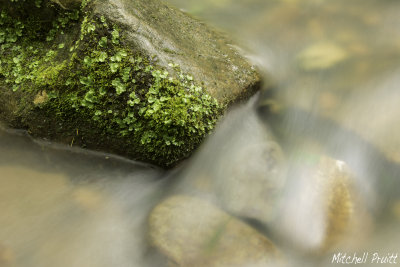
(326, 125)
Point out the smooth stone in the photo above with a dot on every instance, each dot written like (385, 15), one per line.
(193, 232)
(321, 208)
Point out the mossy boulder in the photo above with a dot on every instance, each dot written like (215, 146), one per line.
(136, 78)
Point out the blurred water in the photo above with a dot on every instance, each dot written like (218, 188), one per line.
(312, 162)
(333, 72)
(70, 207)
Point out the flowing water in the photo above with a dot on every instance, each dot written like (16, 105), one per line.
(332, 96)
(70, 207)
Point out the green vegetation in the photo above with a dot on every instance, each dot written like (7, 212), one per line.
(118, 98)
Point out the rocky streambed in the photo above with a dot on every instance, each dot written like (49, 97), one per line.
(303, 170)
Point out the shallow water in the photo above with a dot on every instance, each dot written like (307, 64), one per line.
(70, 207)
(333, 73)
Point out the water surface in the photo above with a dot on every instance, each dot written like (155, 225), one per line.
(332, 74)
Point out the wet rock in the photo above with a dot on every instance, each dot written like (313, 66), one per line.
(251, 190)
(173, 36)
(136, 78)
(193, 232)
(322, 201)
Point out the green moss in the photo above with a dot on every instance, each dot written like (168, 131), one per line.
(118, 98)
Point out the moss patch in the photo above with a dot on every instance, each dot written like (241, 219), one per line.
(84, 86)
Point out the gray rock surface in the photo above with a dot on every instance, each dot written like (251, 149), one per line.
(170, 35)
(160, 30)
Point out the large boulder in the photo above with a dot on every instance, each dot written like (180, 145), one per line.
(193, 232)
(137, 78)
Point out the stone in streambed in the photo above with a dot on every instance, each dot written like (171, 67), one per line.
(193, 232)
(321, 207)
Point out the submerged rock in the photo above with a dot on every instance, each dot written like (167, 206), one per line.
(137, 78)
(193, 232)
(323, 203)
